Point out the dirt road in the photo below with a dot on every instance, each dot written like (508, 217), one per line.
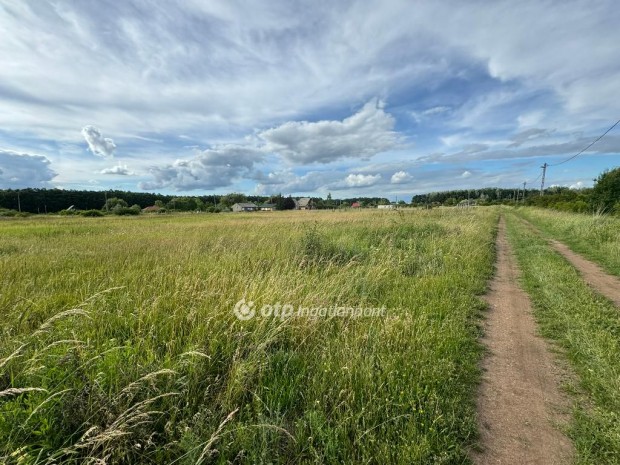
(519, 403)
(591, 273)
(606, 284)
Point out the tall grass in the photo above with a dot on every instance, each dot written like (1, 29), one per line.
(118, 343)
(596, 236)
(587, 327)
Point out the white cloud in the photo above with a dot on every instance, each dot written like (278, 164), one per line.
(361, 180)
(401, 177)
(466, 174)
(215, 167)
(98, 145)
(120, 170)
(366, 133)
(577, 185)
(24, 170)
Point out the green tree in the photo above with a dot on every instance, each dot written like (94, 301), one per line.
(114, 202)
(606, 192)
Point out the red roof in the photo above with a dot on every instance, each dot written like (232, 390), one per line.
(355, 205)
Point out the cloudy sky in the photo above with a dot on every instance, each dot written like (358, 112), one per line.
(354, 98)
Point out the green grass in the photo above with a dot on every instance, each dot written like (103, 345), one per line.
(595, 236)
(118, 341)
(587, 328)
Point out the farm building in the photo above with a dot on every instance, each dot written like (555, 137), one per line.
(304, 203)
(244, 207)
(386, 207)
(267, 207)
(151, 209)
(356, 205)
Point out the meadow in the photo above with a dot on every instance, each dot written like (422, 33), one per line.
(118, 341)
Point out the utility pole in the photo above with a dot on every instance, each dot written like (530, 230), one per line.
(107, 207)
(542, 183)
(19, 205)
(524, 183)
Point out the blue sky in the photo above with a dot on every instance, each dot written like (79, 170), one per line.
(387, 98)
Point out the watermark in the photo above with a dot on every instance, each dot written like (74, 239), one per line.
(246, 310)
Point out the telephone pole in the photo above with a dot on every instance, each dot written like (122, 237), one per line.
(542, 183)
(19, 204)
(523, 199)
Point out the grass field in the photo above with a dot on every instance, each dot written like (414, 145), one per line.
(118, 340)
(595, 236)
(583, 324)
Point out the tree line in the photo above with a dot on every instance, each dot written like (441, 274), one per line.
(34, 200)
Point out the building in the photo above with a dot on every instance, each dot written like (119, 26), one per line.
(356, 205)
(244, 207)
(267, 207)
(151, 209)
(386, 207)
(466, 204)
(304, 203)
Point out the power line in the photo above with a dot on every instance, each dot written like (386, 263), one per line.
(590, 145)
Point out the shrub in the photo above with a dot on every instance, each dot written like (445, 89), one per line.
(91, 213)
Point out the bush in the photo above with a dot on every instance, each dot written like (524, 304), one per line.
(118, 210)
(68, 212)
(91, 213)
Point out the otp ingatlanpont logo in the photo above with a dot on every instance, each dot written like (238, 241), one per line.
(244, 310)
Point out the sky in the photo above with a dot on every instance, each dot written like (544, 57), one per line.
(354, 98)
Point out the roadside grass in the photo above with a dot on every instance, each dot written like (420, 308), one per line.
(118, 342)
(594, 236)
(587, 327)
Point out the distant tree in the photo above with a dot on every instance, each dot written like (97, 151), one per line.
(229, 200)
(160, 204)
(285, 203)
(606, 192)
(113, 203)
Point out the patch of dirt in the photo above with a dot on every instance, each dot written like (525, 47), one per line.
(520, 405)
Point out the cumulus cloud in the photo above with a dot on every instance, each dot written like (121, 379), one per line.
(286, 182)
(360, 180)
(24, 170)
(120, 170)
(366, 133)
(401, 177)
(215, 167)
(466, 174)
(98, 145)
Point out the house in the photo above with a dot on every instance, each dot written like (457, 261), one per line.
(386, 207)
(304, 203)
(356, 205)
(151, 209)
(244, 207)
(267, 207)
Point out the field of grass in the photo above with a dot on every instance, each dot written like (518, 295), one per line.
(118, 341)
(595, 236)
(584, 325)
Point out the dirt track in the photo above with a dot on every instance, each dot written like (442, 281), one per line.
(606, 284)
(519, 402)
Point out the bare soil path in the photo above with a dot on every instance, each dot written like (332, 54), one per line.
(606, 284)
(519, 405)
